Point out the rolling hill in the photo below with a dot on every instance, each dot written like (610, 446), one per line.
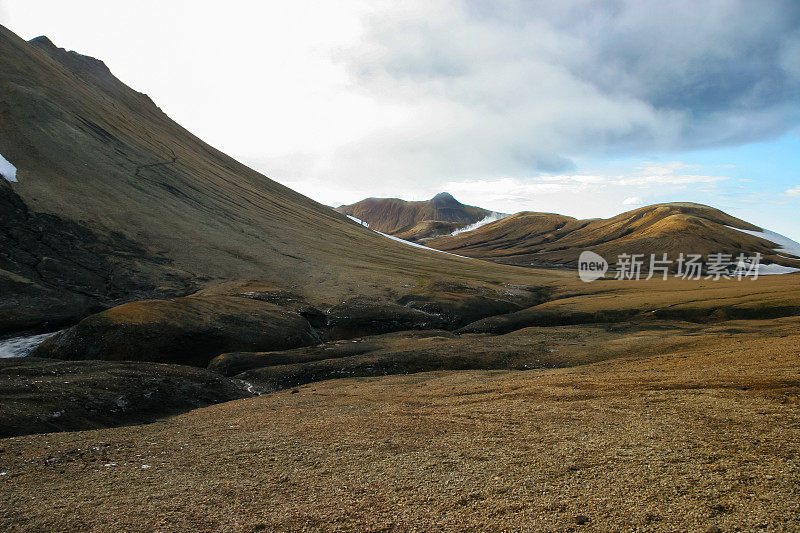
(551, 240)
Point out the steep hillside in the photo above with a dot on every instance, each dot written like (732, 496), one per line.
(440, 215)
(546, 239)
(114, 201)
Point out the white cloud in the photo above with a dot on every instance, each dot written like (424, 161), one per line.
(351, 99)
(414, 93)
(519, 88)
(582, 195)
(794, 191)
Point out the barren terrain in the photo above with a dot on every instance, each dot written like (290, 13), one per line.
(688, 435)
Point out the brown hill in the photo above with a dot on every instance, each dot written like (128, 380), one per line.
(546, 239)
(403, 218)
(428, 229)
(116, 202)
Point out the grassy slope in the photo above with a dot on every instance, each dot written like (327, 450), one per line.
(542, 238)
(91, 150)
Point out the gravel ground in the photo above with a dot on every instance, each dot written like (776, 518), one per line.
(691, 439)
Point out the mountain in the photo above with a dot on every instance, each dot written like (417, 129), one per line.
(441, 215)
(547, 239)
(154, 246)
(114, 201)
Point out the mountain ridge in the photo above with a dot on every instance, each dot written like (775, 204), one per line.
(100, 165)
(549, 239)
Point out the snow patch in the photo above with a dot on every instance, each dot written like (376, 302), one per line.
(482, 222)
(7, 170)
(415, 245)
(774, 269)
(357, 221)
(786, 247)
(22, 346)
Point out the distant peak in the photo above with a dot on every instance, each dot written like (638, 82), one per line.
(44, 42)
(445, 199)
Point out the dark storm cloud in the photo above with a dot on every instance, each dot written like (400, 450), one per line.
(718, 62)
(532, 84)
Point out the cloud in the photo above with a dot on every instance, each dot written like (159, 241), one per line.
(650, 176)
(794, 191)
(672, 173)
(514, 88)
(585, 194)
(632, 200)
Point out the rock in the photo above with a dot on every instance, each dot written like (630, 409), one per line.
(269, 292)
(714, 529)
(190, 331)
(404, 352)
(581, 520)
(461, 304)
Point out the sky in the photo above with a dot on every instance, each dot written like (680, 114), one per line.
(585, 108)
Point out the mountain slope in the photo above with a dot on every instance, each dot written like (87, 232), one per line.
(547, 239)
(115, 201)
(415, 220)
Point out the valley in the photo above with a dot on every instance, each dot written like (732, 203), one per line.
(198, 347)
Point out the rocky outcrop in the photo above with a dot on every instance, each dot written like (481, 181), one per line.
(459, 310)
(259, 316)
(545, 317)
